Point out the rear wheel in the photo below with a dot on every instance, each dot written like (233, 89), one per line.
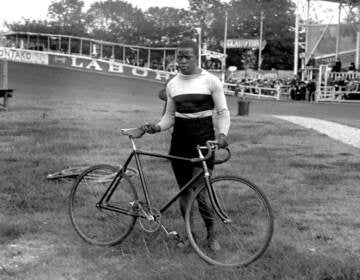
(97, 225)
(245, 238)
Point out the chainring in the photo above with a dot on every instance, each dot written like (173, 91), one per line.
(151, 225)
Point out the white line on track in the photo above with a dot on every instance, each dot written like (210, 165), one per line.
(344, 133)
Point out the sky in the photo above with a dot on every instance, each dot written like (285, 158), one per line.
(15, 10)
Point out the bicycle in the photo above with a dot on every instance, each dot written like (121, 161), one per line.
(105, 214)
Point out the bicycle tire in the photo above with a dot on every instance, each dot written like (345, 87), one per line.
(101, 226)
(73, 172)
(246, 237)
(69, 172)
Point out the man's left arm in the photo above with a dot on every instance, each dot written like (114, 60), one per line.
(222, 115)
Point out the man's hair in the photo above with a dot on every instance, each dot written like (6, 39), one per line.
(187, 43)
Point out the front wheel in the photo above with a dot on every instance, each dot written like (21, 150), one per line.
(93, 223)
(240, 241)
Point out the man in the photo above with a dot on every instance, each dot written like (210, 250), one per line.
(311, 87)
(352, 67)
(193, 96)
(312, 62)
(337, 66)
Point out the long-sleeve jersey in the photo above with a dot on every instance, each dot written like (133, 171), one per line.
(196, 96)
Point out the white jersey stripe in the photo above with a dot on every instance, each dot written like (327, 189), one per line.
(196, 115)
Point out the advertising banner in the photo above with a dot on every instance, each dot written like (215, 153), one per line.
(243, 44)
(254, 74)
(24, 56)
(109, 67)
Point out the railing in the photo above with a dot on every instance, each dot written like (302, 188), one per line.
(326, 93)
(256, 91)
(338, 94)
(344, 75)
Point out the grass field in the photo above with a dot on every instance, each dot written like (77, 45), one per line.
(312, 183)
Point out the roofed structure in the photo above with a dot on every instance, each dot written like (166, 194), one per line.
(347, 2)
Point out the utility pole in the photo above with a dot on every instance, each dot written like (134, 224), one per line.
(260, 38)
(225, 39)
(198, 30)
(200, 47)
(337, 50)
(296, 44)
(307, 29)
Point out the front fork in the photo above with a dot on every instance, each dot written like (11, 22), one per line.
(212, 195)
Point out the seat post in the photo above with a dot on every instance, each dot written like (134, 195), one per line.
(206, 170)
(132, 143)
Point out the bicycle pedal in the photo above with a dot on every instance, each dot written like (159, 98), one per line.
(174, 235)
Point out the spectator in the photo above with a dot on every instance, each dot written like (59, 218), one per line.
(352, 67)
(312, 62)
(337, 66)
(311, 87)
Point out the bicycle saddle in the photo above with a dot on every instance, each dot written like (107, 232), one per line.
(133, 132)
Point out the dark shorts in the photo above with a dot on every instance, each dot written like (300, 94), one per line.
(187, 134)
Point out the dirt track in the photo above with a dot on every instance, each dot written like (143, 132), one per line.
(39, 81)
(344, 133)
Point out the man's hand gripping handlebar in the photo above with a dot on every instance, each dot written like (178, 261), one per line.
(211, 146)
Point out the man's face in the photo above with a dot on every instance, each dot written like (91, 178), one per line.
(187, 61)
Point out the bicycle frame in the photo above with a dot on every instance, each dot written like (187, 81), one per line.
(104, 201)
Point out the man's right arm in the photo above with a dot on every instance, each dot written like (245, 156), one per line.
(168, 119)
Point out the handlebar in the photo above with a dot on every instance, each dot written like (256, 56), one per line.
(225, 159)
(212, 146)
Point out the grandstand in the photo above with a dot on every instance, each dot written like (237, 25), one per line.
(323, 47)
(155, 64)
(152, 64)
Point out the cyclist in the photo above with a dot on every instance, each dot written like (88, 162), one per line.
(195, 98)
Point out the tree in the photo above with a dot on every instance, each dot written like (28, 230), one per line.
(353, 14)
(205, 14)
(165, 26)
(244, 22)
(117, 19)
(67, 16)
(27, 25)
